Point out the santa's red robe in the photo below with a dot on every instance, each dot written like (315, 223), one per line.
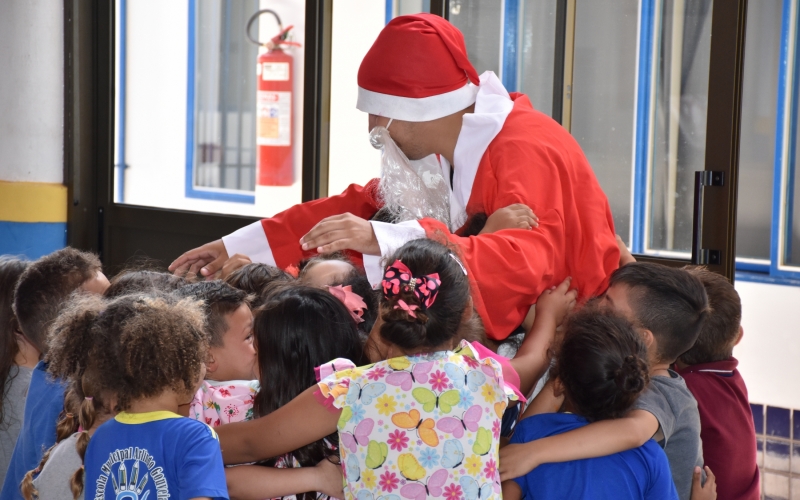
(528, 159)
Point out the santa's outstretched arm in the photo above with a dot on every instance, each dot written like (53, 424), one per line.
(276, 240)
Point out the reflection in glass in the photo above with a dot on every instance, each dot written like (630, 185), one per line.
(225, 90)
(757, 146)
(681, 102)
(604, 94)
(480, 23)
(405, 7)
(536, 51)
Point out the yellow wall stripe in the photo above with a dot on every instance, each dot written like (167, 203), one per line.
(33, 202)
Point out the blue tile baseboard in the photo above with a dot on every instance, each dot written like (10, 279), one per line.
(778, 444)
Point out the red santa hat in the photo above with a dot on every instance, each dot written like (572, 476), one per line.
(417, 70)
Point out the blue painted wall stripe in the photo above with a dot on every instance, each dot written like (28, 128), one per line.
(510, 42)
(389, 10)
(32, 239)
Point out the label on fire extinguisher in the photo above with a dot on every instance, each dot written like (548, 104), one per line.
(275, 71)
(274, 125)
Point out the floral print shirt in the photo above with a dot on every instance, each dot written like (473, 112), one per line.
(417, 427)
(218, 403)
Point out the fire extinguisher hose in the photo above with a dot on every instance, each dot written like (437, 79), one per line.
(256, 16)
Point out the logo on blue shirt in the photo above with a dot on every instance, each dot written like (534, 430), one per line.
(133, 475)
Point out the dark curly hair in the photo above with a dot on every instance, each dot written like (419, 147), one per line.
(45, 285)
(10, 271)
(602, 363)
(439, 323)
(258, 280)
(142, 281)
(140, 344)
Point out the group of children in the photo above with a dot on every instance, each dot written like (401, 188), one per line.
(307, 382)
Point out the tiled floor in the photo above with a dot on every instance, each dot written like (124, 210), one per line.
(778, 445)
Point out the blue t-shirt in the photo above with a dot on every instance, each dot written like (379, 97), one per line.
(138, 456)
(640, 473)
(44, 403)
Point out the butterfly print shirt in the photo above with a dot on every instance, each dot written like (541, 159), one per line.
(417, 427)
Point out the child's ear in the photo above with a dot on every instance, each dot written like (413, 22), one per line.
(558, 387)
(741, 335)
(648, 338)
(211, 364)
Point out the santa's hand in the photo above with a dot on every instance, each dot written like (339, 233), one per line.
(208, 259)
(236, 262)
(517, 216)
(342, 232)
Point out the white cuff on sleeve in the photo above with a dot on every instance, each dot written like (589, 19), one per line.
(250, 241)
(390, 237)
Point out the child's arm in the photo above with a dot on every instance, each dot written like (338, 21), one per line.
(511, 490)
(300, 422)
(517, 216)
(544, 402)
(532, 359)
(594, 440)
(254, 482)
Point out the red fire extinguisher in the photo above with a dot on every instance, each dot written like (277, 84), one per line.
(274, 108)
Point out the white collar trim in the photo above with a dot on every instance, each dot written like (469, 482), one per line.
(478, 130)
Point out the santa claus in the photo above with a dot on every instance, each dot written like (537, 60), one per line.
(457, 148)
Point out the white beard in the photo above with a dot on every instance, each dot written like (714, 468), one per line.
(410, 190)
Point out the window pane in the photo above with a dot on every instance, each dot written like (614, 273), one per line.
(403, 7)
(603, 97)
(681, 102)
(190, 120)
(480, 22)
(536, 51)
(757, 146)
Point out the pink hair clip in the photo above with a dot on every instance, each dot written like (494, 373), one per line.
(351, 300)
(89, 398)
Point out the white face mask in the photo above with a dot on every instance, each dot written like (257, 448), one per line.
(410, 190)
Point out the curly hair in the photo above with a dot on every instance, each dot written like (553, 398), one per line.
(602, 362)
(260, 280)
(440, 322)
(142, 281)
(140, 344)
(45, 285)
(10, 271)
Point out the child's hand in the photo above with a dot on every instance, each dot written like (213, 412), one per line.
(516, 460)
(329, 479)
(625, 256)
(556, 302)
(699, 491)
(517, 216)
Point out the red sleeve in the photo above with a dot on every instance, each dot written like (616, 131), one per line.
(285, 229)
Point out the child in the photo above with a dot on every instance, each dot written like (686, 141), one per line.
(149, 352)
(416, 424)
(42, 289)
(670, 306)
(258, 280)
(229, 322)
(18, 357)
(600, 369)
(726, 421)
(299, 329)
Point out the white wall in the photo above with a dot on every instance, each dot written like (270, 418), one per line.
(352, 158)
(31, 91)
(769, 354)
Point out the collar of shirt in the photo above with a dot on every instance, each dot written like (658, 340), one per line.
(492, 106)
(725, 367)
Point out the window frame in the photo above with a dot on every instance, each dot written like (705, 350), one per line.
(116, 231)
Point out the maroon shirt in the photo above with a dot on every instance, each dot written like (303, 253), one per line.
(726, 427)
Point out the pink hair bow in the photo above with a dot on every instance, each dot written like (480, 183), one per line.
(398, 278)
(351, 300)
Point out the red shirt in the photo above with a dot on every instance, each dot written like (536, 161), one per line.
(726, 427)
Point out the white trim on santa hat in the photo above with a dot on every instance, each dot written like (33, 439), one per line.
(416, 109)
